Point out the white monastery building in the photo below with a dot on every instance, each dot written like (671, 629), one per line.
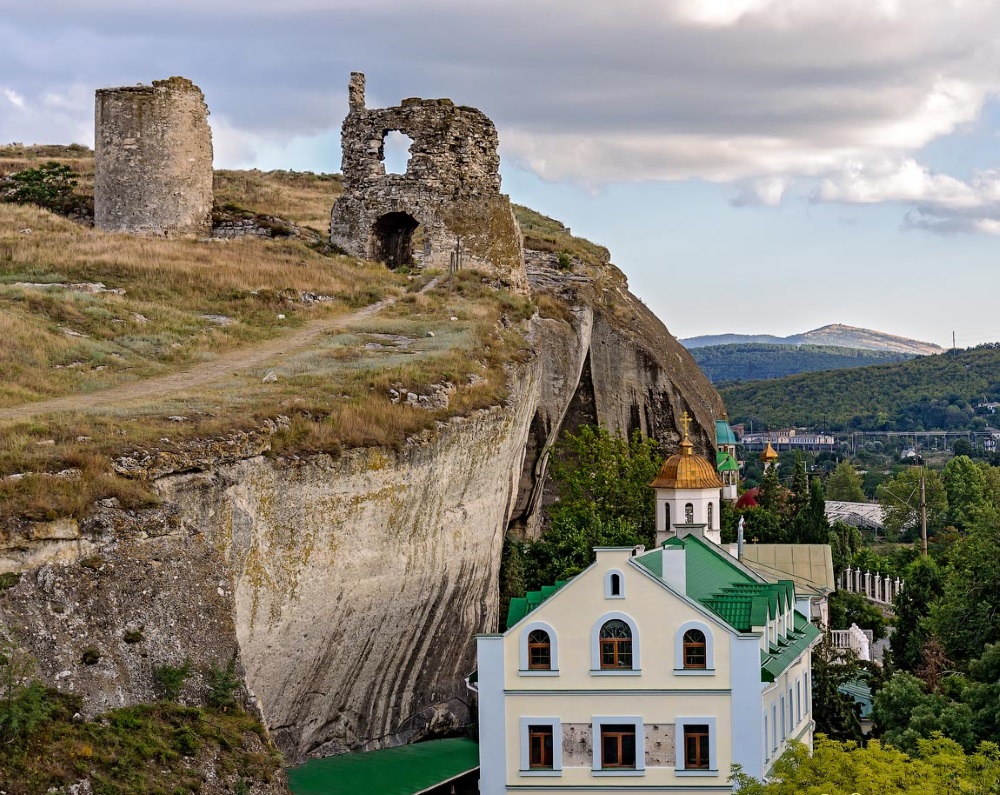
(650, 671)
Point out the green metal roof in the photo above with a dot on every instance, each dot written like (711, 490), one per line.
(520, 606)
(777, 661)
(723, 433)
(407, 770)
(717, 583)
(725, 462)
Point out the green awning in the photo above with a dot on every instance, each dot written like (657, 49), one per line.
(407, 770)
(726, 463)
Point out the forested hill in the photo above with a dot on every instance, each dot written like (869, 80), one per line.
(756, 361)
(929, 392)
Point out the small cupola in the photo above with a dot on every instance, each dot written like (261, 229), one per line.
(687, 490)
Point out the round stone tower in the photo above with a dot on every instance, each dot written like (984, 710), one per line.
(153, 159)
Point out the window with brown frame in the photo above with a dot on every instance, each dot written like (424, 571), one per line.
(617, 745)
(540, 747)
(616, 645)
(696, 756)
(539, 650)
(695, 649)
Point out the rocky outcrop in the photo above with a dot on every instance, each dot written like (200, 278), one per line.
(350, 588)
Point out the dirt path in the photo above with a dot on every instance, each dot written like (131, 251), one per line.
(227, 364)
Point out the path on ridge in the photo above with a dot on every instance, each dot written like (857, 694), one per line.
(226, 364)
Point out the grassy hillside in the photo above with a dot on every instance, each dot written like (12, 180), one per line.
(172, 305)
(754, 362)
(920, 394)
(835, 335)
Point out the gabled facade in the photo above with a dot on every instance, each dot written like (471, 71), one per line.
(649, 671)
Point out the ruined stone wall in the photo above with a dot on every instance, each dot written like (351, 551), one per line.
(153, 159)
(451, 187)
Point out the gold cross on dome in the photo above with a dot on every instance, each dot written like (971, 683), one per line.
(685, 422)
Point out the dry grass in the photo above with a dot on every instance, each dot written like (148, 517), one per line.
(337, 392)
(542, 233)
(303, 198)
(164, 320)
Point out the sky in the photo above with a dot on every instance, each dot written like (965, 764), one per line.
(754, 166)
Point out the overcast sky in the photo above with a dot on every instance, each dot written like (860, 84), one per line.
(753, 165)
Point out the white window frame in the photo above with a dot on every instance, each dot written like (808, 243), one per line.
(679, 669)
(767, 745)
(523, 669)
(806, 692)
(640, 745)
(525, 768)
(784, 732)
(713, 747)
(595, 647)
(774, 728)
(607, 585)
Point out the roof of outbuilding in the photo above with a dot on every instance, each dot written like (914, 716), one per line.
(724, 462)
(520, 606)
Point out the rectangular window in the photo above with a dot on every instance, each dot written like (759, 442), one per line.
(539, 656)
(540, 747)
(806, 688)
(767, 753)
(784, 733)
(616, 653)
(696, 747)
(774, 728)
(798, 702)
(618, 745)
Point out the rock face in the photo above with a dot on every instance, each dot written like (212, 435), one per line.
(351, 587)
(153, 160)
(361, 581)
(447, 203)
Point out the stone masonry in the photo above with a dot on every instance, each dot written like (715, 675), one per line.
(153, 160)
(448, 200)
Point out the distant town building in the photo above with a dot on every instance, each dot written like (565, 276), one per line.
(788, 439)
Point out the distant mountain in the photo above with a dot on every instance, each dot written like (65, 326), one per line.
(835, 334)
(756, 361)
(928, 392)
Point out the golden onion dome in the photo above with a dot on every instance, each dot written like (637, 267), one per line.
(768, 454)
(687, 471)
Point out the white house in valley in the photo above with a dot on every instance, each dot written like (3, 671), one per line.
(649, 671)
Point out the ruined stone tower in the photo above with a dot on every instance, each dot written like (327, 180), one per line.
(153, 159)
(448, 201)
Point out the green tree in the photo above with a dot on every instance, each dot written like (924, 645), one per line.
(49, 186)
(900, 500)
(848, 608)
(844, 484)
(835, 712)
(965, 485)
(771, 496)
(599, 476)
(799, 498)
(845, 541)
(965, 617)
(912, 605)
(905, 713)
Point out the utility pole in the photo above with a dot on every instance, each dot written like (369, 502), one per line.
(923, 511)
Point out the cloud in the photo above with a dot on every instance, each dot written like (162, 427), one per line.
(942, 203)
(762, 94)
(12, 97)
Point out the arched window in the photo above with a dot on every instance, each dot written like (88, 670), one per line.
(614, 585)
(695, 649)
(711, 515)
(666, 508)
(616, 645)
(539, 650)
(689, 513)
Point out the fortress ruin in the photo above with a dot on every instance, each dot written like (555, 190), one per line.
(447, 206)
(153, 159)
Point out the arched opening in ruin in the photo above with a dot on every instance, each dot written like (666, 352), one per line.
(396, 152)
(393, 238)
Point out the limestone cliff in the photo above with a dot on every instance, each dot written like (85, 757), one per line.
(349, 587)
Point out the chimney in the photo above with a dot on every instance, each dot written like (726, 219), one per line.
(675, 568)
(356, 92)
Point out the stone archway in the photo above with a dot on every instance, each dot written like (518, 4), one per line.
(392, 236)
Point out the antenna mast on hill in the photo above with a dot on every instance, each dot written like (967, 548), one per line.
(953, 340)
